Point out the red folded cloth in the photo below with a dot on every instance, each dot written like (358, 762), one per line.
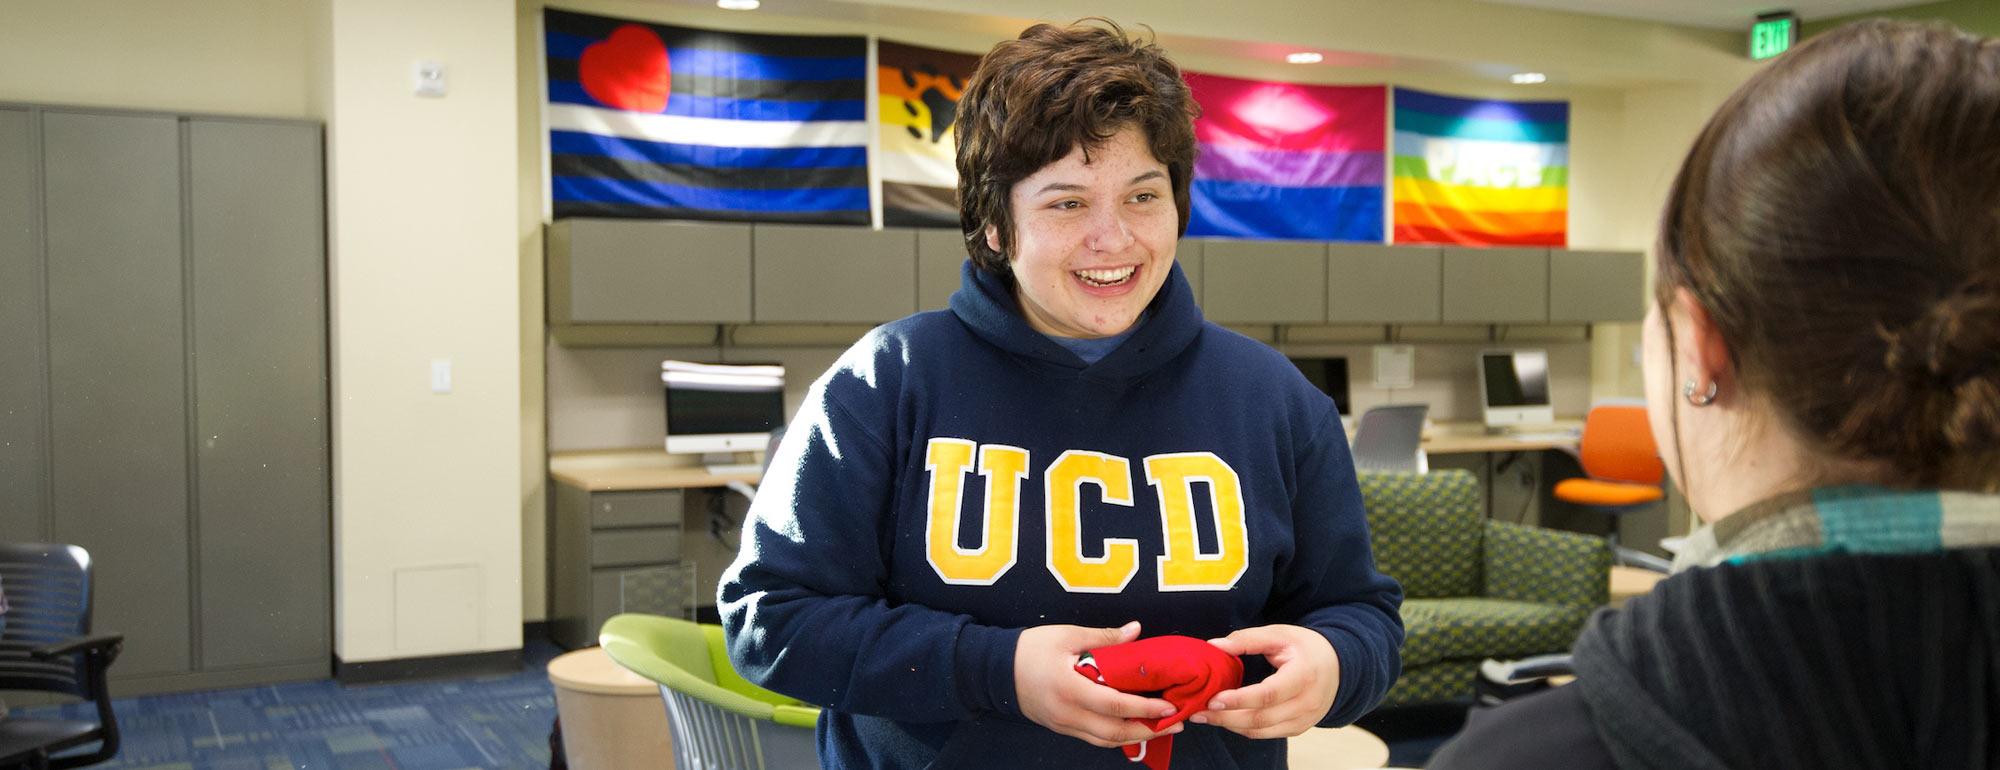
(1183, 670)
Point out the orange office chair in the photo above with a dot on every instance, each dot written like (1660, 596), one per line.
(1625, 471)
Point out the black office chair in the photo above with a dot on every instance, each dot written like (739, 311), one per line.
(46, 646)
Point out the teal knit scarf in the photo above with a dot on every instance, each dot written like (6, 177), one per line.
(1853, 519)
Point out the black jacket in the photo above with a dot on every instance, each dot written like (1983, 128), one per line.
(1830, 661)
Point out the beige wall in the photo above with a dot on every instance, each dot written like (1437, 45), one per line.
(426, 264)
(239, 57)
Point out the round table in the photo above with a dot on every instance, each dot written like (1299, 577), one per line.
(612, 719)
(1337, 748)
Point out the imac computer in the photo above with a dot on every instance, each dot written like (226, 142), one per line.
(1515, 386)
(1330, 376)
(717, 410)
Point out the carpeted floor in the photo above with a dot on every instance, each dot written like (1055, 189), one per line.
(488, 722)
(494, 722)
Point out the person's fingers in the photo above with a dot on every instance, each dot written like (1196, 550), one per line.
(1122, 705)
(1257, 640)
(1279, 688)
(1108, 732)
(1105, 637)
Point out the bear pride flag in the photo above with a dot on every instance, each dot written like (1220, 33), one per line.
(656, 121)
(1477, 172)
(917, 91)
(1283, 160)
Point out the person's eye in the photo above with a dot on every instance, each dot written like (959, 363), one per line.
(1145, 197)
(1068, 205)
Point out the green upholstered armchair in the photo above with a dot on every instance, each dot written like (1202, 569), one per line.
(1475, 588)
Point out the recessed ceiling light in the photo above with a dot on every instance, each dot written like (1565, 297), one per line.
(1304, 57)
(737, 5)
(1525, 78)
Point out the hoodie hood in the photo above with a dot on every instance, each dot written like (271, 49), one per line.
(985, 303)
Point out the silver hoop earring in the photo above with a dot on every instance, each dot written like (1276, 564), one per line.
(1687, 392)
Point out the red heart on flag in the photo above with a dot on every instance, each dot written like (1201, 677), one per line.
(628, 70)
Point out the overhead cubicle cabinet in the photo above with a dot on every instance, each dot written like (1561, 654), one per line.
(1192, 255)
(1596, 286)
(940, 254)
(1370, 283)
(630, 271)
(162, 278)
(833, 274)
(1496, 286)
(1263, 282)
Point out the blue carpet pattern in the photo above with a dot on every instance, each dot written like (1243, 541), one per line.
(500, 721)
(494, 723)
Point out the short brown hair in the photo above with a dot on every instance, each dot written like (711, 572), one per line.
(1839, 220)
(1039, 97)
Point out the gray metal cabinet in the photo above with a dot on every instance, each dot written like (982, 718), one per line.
(1192, 256)
(117, 372)
(23, 368)
(616, 551)
(1596, 286)
(260, 392)
(831, 274)
(1496, 285)
(162, 279)
(1375, 284)
(940, 256)
(645, 272)
(1264, 281)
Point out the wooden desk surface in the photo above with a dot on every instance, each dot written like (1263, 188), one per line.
(1468, 437)
(622, 470)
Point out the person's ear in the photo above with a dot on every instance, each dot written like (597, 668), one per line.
(993, 239)
(1698, 342)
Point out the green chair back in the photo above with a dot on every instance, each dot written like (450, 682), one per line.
(1427, 530)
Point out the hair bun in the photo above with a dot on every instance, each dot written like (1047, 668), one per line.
(1946, 370)
(1957, 340)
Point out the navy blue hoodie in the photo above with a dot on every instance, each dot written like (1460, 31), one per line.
(957, 477)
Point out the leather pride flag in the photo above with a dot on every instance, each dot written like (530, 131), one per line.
(655, 121)
(917, 91)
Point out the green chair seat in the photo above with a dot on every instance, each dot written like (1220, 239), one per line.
(1450, 629)
(719, 719)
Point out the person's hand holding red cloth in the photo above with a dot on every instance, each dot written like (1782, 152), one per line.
(1184, 671)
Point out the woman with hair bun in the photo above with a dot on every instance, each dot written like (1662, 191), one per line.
(1822, 369)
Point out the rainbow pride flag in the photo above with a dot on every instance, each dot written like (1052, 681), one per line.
(1478, 172)
(1283, 160)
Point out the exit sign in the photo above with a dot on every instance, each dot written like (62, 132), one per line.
(1773, 34)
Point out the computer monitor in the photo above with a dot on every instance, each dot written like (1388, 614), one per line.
(718, 409)
(1515, 386)
(1330, 376)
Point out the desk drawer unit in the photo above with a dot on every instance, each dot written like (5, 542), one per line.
(616, 550)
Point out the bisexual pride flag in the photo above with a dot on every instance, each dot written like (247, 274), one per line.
(654, 121)
(1479, 172)
(1282, 160)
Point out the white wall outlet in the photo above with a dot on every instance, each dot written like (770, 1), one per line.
(428, 78)
(440, 375)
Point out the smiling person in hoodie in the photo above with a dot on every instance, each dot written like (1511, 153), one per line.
(1068, 458)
